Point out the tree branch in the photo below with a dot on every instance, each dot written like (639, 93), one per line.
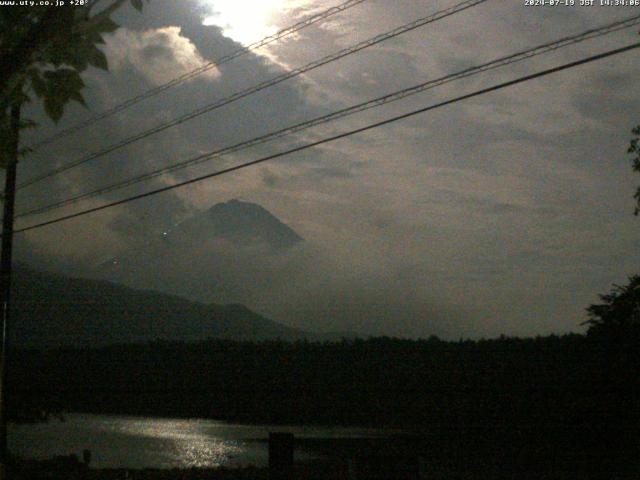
(53, 23)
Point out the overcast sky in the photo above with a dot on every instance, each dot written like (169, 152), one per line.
(504, 214)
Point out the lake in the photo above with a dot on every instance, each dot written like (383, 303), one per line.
(140, 442)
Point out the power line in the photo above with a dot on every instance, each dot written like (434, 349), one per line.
(349, 133)
(500, 62)
(197, 71)
(261, 86)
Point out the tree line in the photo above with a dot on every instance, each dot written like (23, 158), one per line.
(557, 400)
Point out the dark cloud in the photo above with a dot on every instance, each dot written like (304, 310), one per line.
(506, 213)
(269, 178)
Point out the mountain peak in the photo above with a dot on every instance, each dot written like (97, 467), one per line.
(244, 223)
(238, 206)
(198, 257)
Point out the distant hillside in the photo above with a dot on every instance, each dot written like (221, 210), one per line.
(54, 310)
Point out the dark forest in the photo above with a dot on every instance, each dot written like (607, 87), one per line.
(549, 403)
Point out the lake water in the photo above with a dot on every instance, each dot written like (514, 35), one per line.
(139, 442)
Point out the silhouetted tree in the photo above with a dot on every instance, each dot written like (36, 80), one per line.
(612, 387)
(634, 148)
(619, 314)
(43, 51)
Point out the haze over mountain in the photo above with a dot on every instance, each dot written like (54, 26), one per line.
(240, 224)
(236, 226)
(198, 258)
(54, 310)
(493, 215)
(203, 256)
(238, 252)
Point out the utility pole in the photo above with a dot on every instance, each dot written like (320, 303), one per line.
(5, 276)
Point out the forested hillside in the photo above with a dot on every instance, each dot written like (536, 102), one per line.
(552, 400)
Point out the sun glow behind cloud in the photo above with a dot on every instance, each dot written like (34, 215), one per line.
(247, 21)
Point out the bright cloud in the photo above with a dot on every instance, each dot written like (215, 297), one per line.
(160, 55)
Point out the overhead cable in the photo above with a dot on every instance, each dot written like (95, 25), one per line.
(261, 86)
(385, 99)
(333, 138)
(197, 71)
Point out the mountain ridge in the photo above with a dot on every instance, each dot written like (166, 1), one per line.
(50, 309)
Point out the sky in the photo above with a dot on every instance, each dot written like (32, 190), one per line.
(504, 214)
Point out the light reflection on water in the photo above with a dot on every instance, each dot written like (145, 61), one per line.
(189, 443)
(136, 442)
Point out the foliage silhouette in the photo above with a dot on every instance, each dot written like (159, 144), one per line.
(619, 314)
(634, 148)
(43, 51)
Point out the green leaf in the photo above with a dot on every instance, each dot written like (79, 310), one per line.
(98, 59)
(63, 85)
(53, 72)
(93, 37)
(38, 84)
(54, 108)
(106, 25)
(77, 96)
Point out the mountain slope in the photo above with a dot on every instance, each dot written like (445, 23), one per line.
(53, 310)
(240, 223)
(207, 257)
